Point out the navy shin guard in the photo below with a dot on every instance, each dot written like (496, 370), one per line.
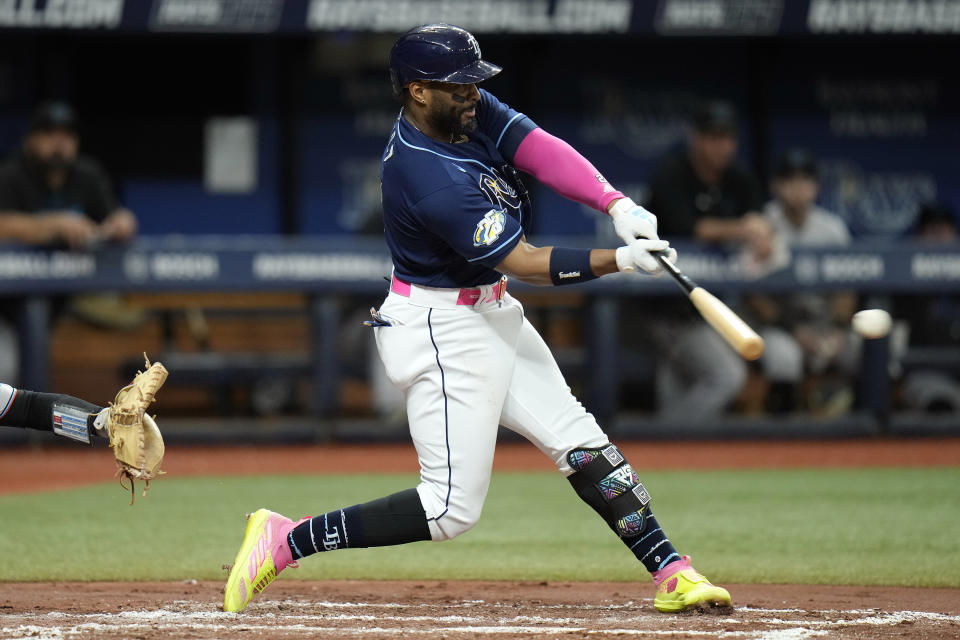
(606, 481)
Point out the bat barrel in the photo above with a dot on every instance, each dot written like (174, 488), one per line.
(729, 325)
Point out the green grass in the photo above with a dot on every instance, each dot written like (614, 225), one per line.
(884, 526)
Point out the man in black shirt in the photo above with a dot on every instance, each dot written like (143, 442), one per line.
(50, 195)
(702, 194)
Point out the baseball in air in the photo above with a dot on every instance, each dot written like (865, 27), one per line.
(872, 323)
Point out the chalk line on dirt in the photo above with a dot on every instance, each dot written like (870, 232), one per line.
(476, 618)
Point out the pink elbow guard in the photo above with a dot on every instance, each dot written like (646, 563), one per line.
(559, 166)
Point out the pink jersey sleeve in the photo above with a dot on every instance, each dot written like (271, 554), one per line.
(559, 166)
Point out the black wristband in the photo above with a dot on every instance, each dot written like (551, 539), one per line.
(570, 266)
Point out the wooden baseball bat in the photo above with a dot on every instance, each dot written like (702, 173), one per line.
(729, 325)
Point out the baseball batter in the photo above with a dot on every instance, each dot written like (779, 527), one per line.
(457, 344)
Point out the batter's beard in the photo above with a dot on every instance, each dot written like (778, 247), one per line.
(451, 123)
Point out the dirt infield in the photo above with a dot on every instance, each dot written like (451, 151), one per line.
(454, 610)
(24, 469)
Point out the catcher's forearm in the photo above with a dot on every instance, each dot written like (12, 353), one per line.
(56, 412)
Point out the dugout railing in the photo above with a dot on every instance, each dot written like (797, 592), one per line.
(326, 269)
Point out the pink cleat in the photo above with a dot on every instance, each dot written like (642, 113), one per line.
(263, 554)
(680, 587)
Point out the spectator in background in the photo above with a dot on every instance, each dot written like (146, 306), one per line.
(937, 224)
(933, 323)
(50, 195)
(805, 333)
(701, 193)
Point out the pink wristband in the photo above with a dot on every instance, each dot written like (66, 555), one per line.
(559, 166)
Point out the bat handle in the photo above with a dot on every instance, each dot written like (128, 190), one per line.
(662, 259)
(685, 283)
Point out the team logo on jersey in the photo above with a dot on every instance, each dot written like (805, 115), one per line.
(498, 192)
(489, 228)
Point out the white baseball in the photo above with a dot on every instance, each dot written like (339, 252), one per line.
(872, 323)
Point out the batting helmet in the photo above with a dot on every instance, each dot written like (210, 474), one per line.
(440, 52)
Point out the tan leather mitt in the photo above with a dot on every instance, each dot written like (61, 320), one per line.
(134, 437)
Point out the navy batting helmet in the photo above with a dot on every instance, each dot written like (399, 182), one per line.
(440, 52)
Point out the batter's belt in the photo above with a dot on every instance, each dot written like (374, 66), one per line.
(449, 298)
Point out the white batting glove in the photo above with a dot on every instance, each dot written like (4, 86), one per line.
(631, 221)
(637, 255)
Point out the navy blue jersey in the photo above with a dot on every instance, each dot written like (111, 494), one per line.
(452, 212)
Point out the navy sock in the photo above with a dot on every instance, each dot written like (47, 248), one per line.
(396, 519)
(324, 533)
(652, 547)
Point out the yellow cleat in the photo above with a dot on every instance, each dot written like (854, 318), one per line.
(262, 556)
(681, 588)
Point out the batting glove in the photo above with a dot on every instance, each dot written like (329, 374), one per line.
(631, 221)
(637, 255)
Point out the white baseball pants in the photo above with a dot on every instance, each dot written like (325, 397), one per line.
(465, 369)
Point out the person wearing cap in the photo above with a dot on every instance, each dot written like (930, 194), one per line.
(806, 333)
(793, 214)
(933, 324)
(52, 196)
(703, 194)
(456, 342)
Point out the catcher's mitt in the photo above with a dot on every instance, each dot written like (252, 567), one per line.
(134, 437)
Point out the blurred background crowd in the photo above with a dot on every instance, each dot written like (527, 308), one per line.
(748, 128)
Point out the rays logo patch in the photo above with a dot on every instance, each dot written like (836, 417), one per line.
(489, 228)
(498, 192)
